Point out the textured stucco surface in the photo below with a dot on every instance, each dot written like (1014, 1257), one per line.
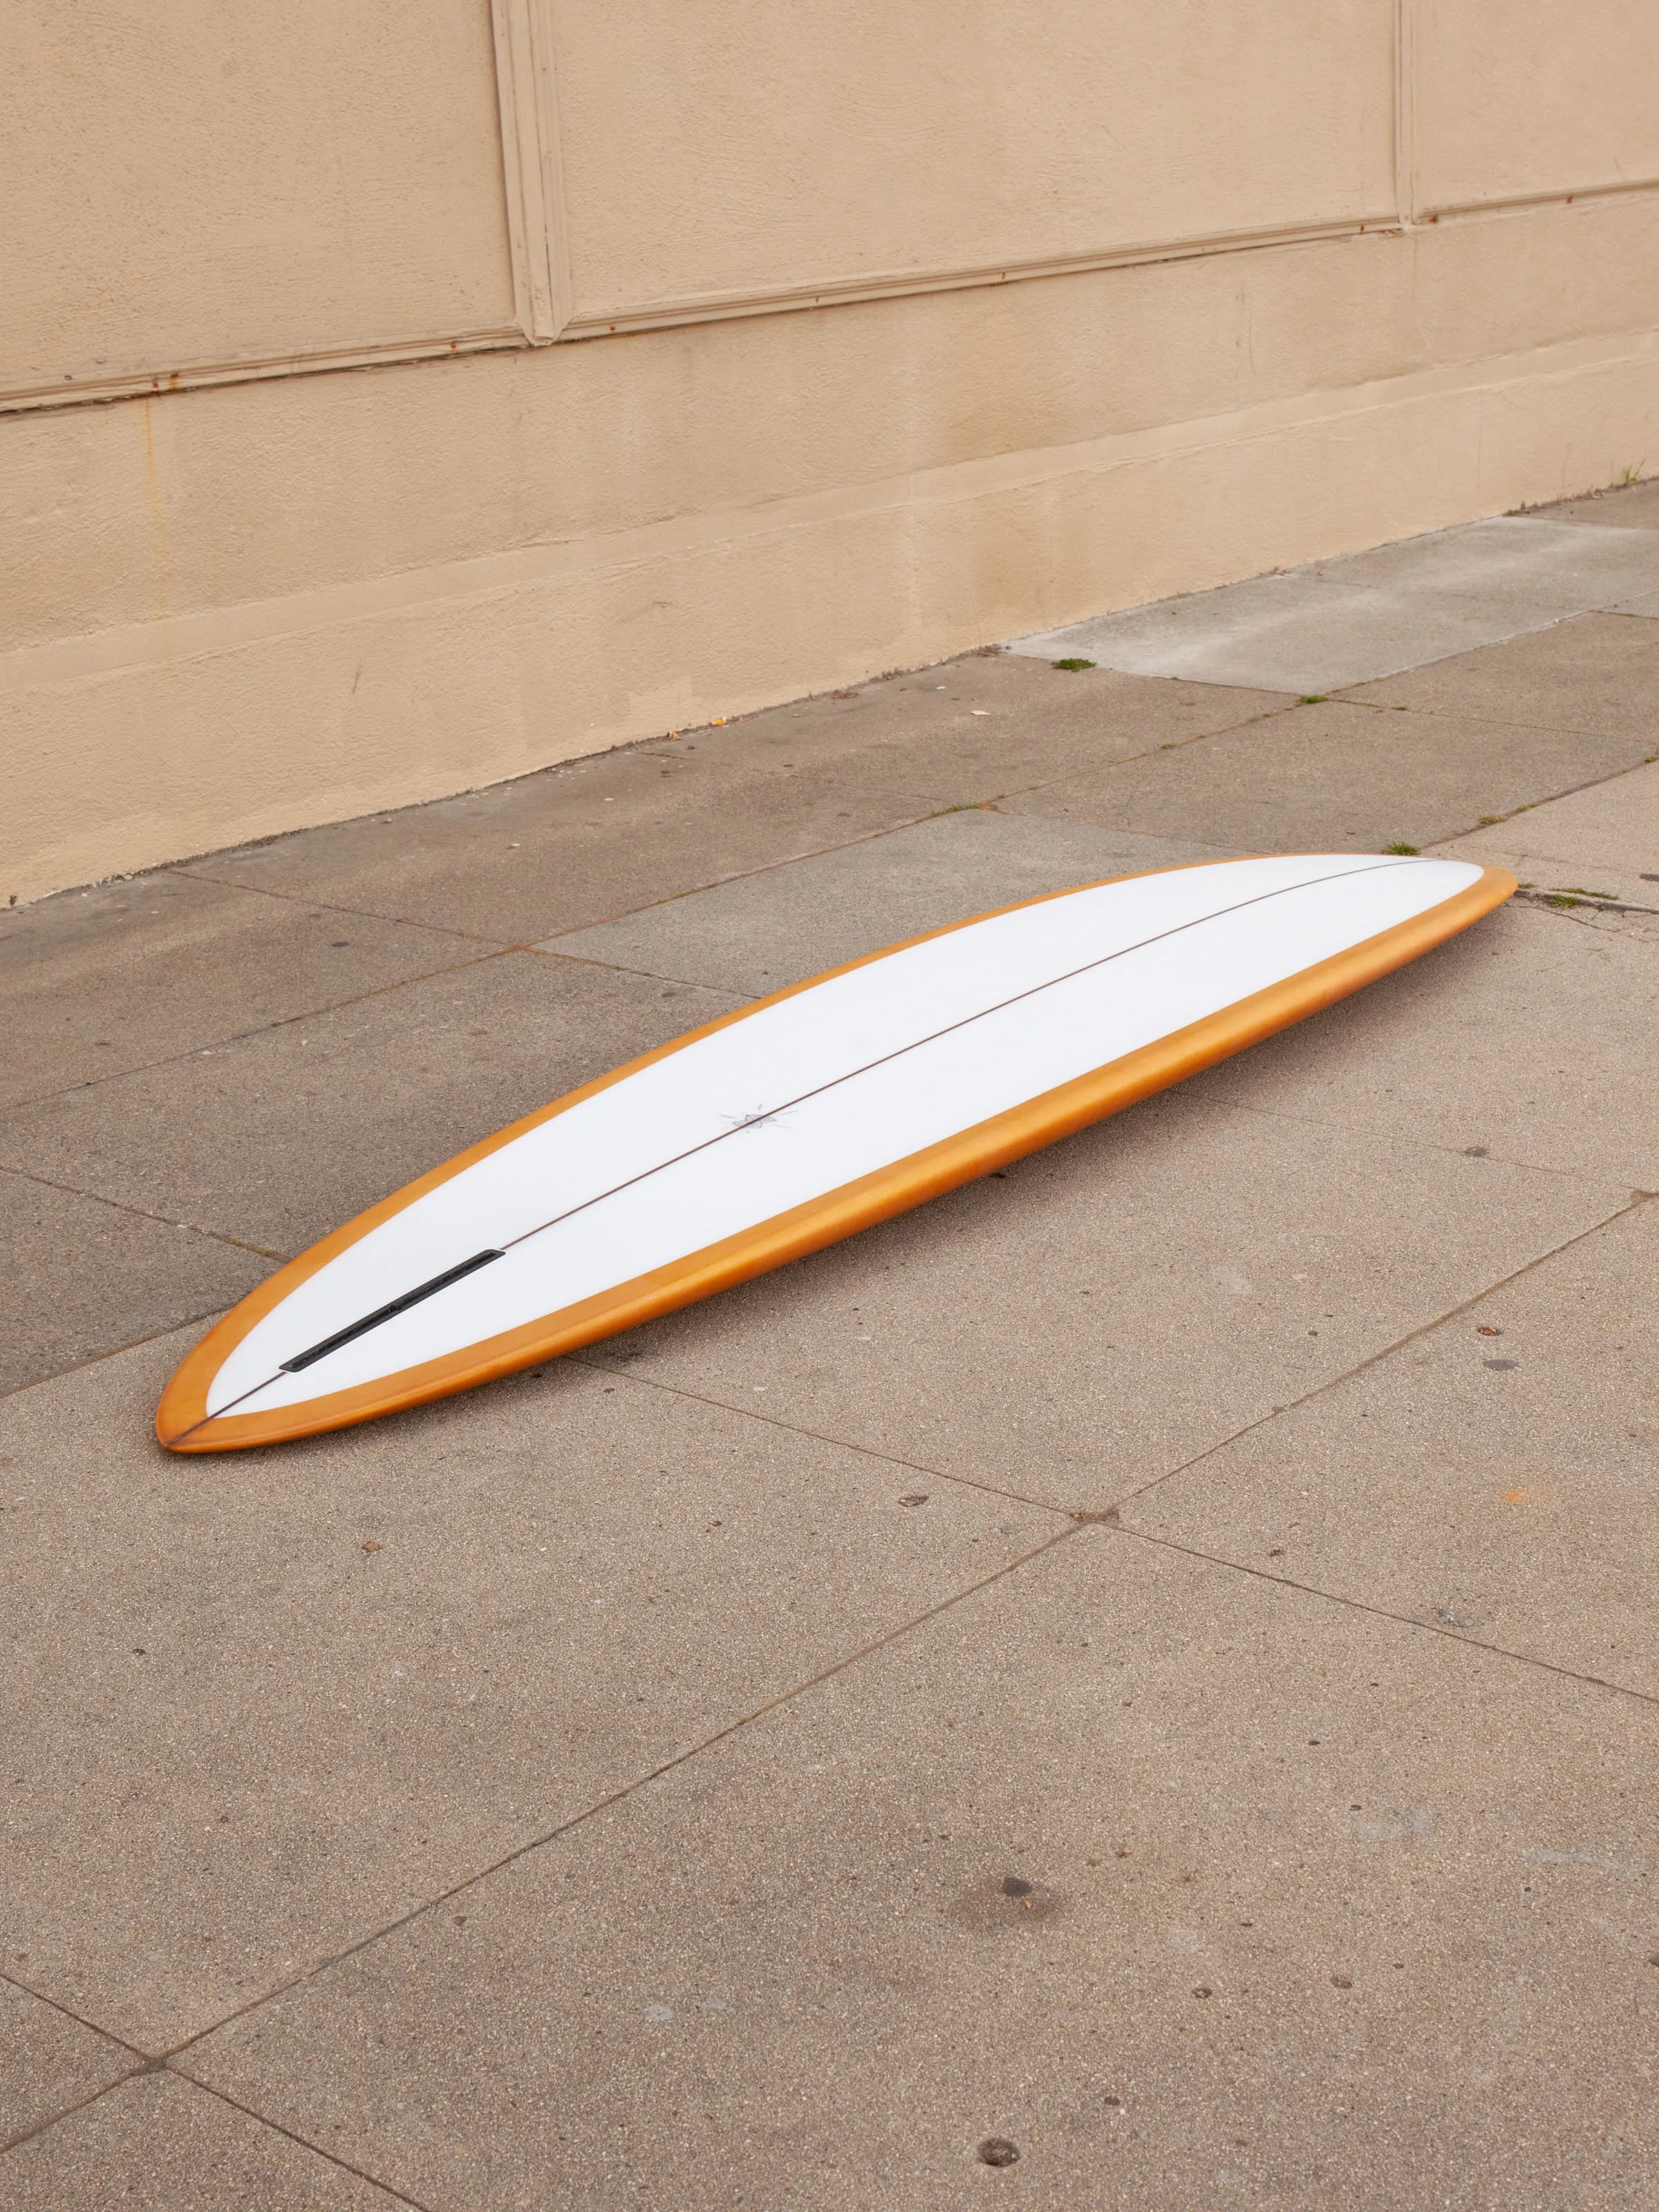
(242, 609)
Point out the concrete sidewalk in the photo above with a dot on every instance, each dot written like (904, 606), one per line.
(1147, 1663)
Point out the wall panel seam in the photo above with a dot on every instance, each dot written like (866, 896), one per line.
(144, 380)
(714, 307)
(663, 314)
(1407, 47)
(1524, 202)
(531, 168)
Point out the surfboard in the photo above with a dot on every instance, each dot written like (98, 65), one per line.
(815, 1113)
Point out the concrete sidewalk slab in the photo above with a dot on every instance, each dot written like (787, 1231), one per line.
(520, 860)
(1338, 777)
(49, 2062)
(83, 1278)
(1197, 1890)
(527, 860)
(1598, 676)
(277, 1138)
(1605, 839)
(973, 728)
(1628, 506)
(1498, 1477)
(1289, 634)
(775, 928)
(315, 1688)
(1106, 1310)
(1537, 565)
(101, 981)
(1332, 623)
(1530, 1038)
(160, 2144)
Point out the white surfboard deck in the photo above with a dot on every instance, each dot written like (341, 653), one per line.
(770, 1112)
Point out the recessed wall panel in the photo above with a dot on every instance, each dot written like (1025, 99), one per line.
(742, 146)
(1535, 97)
(191, 179)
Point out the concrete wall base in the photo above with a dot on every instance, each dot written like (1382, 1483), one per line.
(571, 618)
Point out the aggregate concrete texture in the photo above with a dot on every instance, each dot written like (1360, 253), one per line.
(1178, 1274)
(1626, 507)
(276, 1137)
(1609, 832)
(1344, 776)
(1333, 624)
(1523, 1431)
(158, 2143)
(352, 1676)
(1594, 677)
(1193, 1887)
(1129, 1686)
(86, 1276)
(551, 853)
(100, 981)
(773, 928)
(1530, 1039)
(51, 2063)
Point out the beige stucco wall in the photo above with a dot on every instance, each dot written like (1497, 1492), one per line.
(406, 397)
(753, 144)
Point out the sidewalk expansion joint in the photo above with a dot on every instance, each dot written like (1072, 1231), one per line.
(585, 1359)
(988, 803)
(149, 2063)
(151, 2066)
(246, 1037)
(96, 1358)
(1400, 1620)
(549, 951)
(306, 2142)
(93, 2096)
(193, 872)
(1637, 1200)
(626, 1790)
(1435, 851)
(142, 2061)
(737, 875)
(141, 1212)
